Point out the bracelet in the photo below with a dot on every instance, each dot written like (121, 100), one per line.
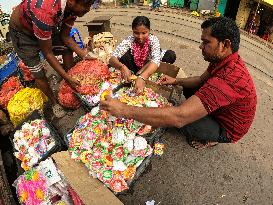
(141, 77)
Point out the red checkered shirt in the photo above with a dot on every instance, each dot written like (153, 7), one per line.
(44, 17)
(229, 96)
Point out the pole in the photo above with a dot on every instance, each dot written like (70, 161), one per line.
(216, 6)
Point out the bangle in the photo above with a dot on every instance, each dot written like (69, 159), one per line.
(141, 77)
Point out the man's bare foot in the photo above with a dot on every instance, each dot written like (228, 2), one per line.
(201, 145)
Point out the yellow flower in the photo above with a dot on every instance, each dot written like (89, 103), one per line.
(23, 196)
(40, 194)
(24, 102)
(35, 176)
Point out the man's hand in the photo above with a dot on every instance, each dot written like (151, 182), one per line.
(126, 74)
(167, 80)
(73, 82)
(113, 106)
(139, 86)
(90, 56)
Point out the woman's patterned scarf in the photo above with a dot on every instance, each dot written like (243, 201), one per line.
(140, 52)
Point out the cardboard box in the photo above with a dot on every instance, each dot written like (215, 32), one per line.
(168, 91)
(90, 190)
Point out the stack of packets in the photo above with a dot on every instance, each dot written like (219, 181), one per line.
(8, 90)
(103, 45)
(45, 185)
(155, 77)
(112, 148)
(24, 102)
(32, 142)
(114, 80)
(158, 148)
(90, 73)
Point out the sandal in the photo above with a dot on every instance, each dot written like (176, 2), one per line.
(58, 111)
(202, 144)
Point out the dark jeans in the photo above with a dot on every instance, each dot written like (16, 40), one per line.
(204, 129)
(128, 60)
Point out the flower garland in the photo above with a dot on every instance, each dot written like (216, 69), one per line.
(24, 102)
(141, 52)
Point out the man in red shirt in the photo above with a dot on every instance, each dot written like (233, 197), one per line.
(221, 103)
(44, 25)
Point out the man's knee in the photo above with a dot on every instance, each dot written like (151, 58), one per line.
(207, 129)
(188, 92)
(186, 131)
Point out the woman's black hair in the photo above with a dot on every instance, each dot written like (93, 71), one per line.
(224, 28)
(141, 21)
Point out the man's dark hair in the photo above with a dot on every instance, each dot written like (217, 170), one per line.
(224, 28)
(141, 21)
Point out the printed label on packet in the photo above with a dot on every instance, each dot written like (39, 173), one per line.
(158, 148)
(49, 170)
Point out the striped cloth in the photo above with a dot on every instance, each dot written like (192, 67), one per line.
(229, 95)
(44, 17)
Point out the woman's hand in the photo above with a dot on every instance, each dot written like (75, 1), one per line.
(126, 74)
(140, 85)
(167, 80)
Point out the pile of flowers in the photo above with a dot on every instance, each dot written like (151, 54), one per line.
(112, 148)
(24, 102)
(32, 188)
(90, 73)
(8, 89)
(32, 142)
(114, 80)
(45, 184)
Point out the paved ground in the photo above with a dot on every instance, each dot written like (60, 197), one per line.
(240, 173)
